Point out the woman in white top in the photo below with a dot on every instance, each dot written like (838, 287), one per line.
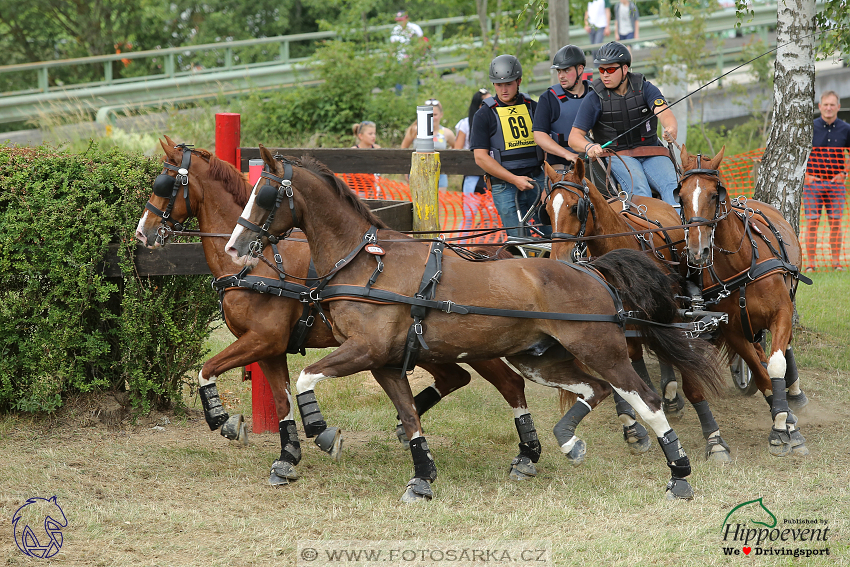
(472, 184)
(443, 137)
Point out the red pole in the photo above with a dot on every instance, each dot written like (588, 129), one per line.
(228, 133)
(264, 418)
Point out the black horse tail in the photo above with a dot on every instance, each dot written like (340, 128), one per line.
(644, 287)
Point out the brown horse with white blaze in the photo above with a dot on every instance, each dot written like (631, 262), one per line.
(745, 258)
(547, 318)
(263, 323)
(577, 208)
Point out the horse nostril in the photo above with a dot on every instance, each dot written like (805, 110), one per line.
(140, 236)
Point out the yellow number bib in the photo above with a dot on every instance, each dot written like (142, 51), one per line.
(516, 126)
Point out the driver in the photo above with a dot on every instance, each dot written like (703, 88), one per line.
(623, 100)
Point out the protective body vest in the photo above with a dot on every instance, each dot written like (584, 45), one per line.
(560, 128)
(620, 113)
(513, 143)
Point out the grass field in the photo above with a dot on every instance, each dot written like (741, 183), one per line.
(163, 490)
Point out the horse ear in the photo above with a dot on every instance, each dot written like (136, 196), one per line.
(168, 148)
(718, 158)
(549, 170)
(685, 156)
(579, 169)
(268, 158)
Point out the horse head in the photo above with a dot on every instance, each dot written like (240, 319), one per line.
(702, 196)
(569, 208)
(170, 204)
(260, 222)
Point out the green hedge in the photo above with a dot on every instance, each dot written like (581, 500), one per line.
(65, 328)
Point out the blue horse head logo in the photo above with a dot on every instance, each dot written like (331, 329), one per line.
(38, 527)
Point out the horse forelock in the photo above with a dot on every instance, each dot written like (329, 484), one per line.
(342, 189)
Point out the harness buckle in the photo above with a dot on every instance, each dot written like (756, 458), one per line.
(417, 328)
(314, 295)
(448, 305)
(370, 237)
(338, 264)
(310, 320)
(436, 277)
(288, 190)
(304, 296)
(278, 258)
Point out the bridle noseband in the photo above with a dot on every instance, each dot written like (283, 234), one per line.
(269, 198)
(168, 187)
(584, 208)
(714, 175)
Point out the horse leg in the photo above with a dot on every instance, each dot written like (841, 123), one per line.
(424, 468)
(283, 470)
(447, 379)
(785, 436)
(674, 405)
(635, 434)
(512, 387)
(797, 399)
(716, 449)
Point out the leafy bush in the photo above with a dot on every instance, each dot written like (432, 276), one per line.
(64, 327)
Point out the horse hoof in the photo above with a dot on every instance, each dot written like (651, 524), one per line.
(330, 441)
(418, 490)
(637, 438)
(577, 453)
(282, 473)
(722, 457)
(522, 468)
(675, 408)
(717, 451)
(679, 489)
(779, 443)
(402, 436)
(798, 402)
(235, 430)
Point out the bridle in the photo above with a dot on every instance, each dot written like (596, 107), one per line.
(270, 198)
(584, 208)
(713, 175)
(168, 187)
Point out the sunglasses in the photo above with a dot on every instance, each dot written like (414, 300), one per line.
(483, 91)
(609, 70)
(432, 102)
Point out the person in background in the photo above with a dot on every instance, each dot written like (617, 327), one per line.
(626, 22)
(443, 137)
(365, 133)
(597, 20)
(504, 146)
(472, 184)
(403, 32)
(557, 107)
(826, 175)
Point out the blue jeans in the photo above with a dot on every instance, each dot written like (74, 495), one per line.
(648, 173)
(505, 198)
(596, 35)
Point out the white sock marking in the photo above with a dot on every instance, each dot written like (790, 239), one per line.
(307, 382)
(656, 419)
(520, 411)
(203, 381)
(776, 365)
(568, 446)
(290, 415)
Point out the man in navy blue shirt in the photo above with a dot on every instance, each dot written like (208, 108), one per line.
(825, 178)
(504, 147)
(625, 109)
(557, 107)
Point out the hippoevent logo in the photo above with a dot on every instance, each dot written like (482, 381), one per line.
(38, 527)
(750, 528)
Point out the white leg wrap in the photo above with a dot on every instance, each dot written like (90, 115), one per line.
(203, 381)
(307, 382)
(568, 446)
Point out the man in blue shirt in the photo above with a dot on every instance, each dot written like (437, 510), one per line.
(557, 107)
(825, 178)
(625, 110)
(503, 144)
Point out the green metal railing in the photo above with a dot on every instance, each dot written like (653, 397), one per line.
(176, 81)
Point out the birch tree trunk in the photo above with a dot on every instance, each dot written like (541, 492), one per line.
(789, 142)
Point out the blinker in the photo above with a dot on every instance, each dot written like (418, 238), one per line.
(267, 197)
(163, 185)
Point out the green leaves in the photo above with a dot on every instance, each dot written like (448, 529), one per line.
(63, 326)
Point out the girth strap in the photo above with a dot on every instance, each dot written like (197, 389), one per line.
(427, 291)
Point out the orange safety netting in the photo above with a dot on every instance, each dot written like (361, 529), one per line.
(457, 211)
(823, 235)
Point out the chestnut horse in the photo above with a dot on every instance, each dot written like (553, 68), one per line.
(263, 323)
(745, 260)
(577, 208)
(547, 318)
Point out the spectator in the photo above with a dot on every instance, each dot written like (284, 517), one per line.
(597, 20)
(825, 178)
(403, 32)
(365, 133)
(473, 185)
(443, 137)
(504, 147)
(626, 20)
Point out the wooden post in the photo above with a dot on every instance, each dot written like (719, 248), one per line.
(425, 174)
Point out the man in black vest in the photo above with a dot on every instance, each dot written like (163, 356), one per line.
(504, 147)
(557, 107)
(625, 111)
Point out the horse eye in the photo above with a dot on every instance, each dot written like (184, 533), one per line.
(574, 209)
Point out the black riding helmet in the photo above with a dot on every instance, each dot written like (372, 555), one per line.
(612, 53)
(568, 56)
(504, 69)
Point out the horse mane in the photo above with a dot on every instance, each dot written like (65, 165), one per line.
(342, 189)
(233, 180)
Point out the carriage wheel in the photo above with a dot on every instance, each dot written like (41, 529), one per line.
(742, 376)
